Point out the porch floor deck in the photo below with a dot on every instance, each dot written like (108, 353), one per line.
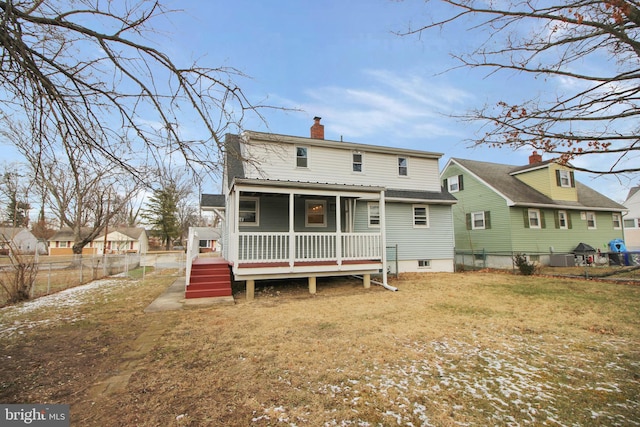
(210, 260)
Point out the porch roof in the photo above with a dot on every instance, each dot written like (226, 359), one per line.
(432, 197)
(324, 186)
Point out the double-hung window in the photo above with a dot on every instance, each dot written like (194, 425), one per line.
(374, 214)
(591, 221)
(454, 183)
(421, 216)
(534, 218)
(403, 166)
(302, 157)
(563, 222)
(357, 162)
(617, 221)
(477, 219)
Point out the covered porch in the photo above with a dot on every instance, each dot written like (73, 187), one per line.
(291, 229)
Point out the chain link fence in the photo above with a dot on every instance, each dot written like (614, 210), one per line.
(55, 273)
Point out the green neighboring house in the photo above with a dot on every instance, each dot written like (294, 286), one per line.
(538, 209)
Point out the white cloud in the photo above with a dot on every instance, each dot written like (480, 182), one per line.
(388, 105)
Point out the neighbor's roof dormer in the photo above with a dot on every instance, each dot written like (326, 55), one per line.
(552, 179)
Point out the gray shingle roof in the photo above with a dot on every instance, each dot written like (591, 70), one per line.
(212, 201)
(499, 176)
(428, 196)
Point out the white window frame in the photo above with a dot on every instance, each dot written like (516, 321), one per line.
(537, 217)
(256, 211)
(355, 163)
(401, 167)
(616, 218)
(473, 221)
(373, 217)
(633, 221)
(307, 206)
(63, 244)
(565, 178)
(424, 263)
(563, 215)
(590, 215)
(299, 158)
(415, 218)
(453, 181)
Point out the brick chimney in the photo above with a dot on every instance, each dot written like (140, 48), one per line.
(535, 158)
(317, 130)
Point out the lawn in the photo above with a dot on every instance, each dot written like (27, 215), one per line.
(446, 349)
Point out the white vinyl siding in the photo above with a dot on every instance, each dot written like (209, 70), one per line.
(330, 164)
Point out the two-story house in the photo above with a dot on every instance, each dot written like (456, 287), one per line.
(631, 220)
(309, 207)
(538, 209)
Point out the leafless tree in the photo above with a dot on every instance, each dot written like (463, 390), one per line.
(592, 46)
(91, 74)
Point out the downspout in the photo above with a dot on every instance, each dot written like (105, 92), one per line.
(383, 237)
(384, 285)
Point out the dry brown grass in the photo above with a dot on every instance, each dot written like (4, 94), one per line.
(446, 349)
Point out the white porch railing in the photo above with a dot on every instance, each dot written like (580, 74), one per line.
(193, 249)
(264, 247)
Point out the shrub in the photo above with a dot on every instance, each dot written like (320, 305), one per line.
(526, 268)
(18, 279)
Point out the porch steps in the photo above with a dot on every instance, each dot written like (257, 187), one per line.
(210, 277)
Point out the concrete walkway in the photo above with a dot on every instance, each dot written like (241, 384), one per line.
(173, 299)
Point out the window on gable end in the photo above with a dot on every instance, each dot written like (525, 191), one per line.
(403, 166)
(302, 157)
(357, 162)
(454, 184)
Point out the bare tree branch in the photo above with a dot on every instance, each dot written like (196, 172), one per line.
(598, 114)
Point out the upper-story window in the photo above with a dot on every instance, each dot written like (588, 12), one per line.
(248, 212)
(316, 213)
(564, 178)
(357, 162)
(403, 166)
(302, 157)
(374, 214)
(454, 183)
(420, 216)
(617, 221)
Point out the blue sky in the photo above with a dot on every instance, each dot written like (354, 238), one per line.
(341, 60)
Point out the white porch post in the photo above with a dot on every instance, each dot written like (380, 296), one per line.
(338, 232)
(292, 235)
(235, 237)
(383, 236)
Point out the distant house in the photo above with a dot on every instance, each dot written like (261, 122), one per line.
(61, 243)
(308, 207)
(119, 240)
(538, 209)
(631, 220)
(208, 239)
(122, 240)
(21, 239)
